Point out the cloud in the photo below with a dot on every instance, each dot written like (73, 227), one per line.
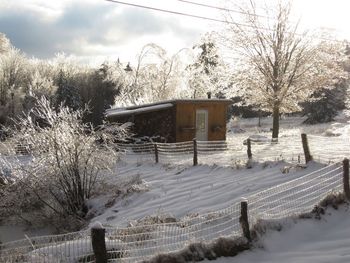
(85, 28)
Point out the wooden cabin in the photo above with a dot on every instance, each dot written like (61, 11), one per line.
(176, 120)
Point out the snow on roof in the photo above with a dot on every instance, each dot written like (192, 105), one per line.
(123, 111)
(175, 101)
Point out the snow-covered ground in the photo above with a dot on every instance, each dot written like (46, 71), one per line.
(307, 241)
(182, 191)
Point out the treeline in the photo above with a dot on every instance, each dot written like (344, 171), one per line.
(190, 73)
(155, 76)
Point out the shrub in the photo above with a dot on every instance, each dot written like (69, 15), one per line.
(65, 164)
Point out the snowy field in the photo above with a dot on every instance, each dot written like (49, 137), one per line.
(178, 191)
(181, 192)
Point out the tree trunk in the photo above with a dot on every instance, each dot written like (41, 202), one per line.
(275, 122)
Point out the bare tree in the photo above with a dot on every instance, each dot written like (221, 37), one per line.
(276, 67)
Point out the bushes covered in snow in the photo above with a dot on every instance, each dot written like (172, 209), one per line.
(65, 165)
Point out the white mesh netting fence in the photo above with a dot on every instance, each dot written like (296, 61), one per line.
(328, 149)
(234, 150)
(296, 196)
(133, 244)
(215, 152)
(72, 247)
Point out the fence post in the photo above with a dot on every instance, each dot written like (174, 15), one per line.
(156, 152)
(346, 178)
(307, 154)
(249, 149)
(244, 220)
(195, 152)
(99, 243)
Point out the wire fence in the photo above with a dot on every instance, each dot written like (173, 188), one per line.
(323, 149)
(72, 247)
(296, 196)
(328, 149)
(138, 243)
(214, 152)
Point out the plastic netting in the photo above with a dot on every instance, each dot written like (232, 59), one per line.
(143, 242)
(72, 247)
(286, 149)
(332, 149)
(296, 196)
(215, 152)
(137, 243)
(139, 153)
(180, 153)
(9, 148)
(130, 244)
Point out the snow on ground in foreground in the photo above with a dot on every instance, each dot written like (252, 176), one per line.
(309, 241)
(182, 191)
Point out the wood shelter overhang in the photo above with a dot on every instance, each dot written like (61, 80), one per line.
(139, 109)
(125, 111)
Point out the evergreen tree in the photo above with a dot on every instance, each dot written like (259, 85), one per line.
(66, 94)
(206, 73)
(99, 94)
(325, 104)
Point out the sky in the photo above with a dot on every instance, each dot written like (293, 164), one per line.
(95, 30)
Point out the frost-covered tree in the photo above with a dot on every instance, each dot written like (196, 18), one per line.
(325, 104)
(167, 77)
(208, 74)
(41, 85)
(13, 73)
(4, 43)
(14, 78)
(276, 67)
(155, 77)
(65, 166)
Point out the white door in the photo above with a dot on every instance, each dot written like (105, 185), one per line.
(202, 125)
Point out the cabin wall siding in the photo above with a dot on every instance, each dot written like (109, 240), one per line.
(178, 123)
(186, 120)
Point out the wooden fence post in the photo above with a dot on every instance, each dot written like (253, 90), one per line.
(307, 154)
(99, 243)
(346, 178)
(195, 152)
(244, 220)
(249, 149)
(156, 152)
